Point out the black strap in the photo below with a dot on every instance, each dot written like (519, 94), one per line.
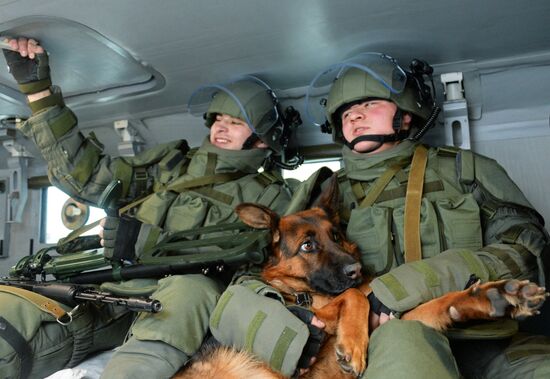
(19, 344)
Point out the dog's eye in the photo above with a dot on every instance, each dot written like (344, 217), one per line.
(307, 246)
(336, 237)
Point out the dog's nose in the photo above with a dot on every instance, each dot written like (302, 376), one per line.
(352, 271)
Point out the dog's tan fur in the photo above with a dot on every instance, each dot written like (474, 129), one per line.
(307, 247)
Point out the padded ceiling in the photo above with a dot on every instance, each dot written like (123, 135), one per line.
(85, 64)
(104, 53)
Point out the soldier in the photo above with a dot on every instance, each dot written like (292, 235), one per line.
(427, 221)
(246, 127)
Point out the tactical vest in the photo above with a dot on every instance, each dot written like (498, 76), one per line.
(379, 210)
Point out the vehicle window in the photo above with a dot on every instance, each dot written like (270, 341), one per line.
(52, 226)
(309, 167)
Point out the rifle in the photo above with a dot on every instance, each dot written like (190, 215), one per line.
(72, 294)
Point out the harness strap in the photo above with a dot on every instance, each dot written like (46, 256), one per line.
(413, 248)
(42, 302)
(78, 232)
(21, 347)
(379, 185)
(189, 184)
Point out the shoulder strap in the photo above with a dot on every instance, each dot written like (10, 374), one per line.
(378, 186)
(413, 249)
(42, 302)
(466, 166)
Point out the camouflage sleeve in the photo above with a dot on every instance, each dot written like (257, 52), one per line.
(514, 238)
(252, 316)
(77, 164)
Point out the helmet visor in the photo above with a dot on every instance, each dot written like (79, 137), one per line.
(381, 67)
(231, 98)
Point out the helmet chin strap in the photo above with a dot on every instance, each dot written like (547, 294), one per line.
(250, 141)
(398, 135)
(380, 138)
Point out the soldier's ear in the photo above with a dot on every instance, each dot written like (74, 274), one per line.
(329, 200)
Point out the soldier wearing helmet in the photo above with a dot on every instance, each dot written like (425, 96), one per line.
(427, 221)
(246, 130)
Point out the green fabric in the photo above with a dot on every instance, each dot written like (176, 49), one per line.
(56, 346)
(39, 105)
(144, 359)
(447, 273)
(522, 356)
(134, 287)
(187, 302)
(408, 349)
(452, 219)
(261, 323)
(255, 325)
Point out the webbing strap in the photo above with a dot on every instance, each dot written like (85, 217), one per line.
(253, 328)
(413, 248)
(211, 159)
(392, 284)
(220, 307)
(189, 184)
(42, 302)
(87, 162)
(474, 265)
(123, 172)
(10, 334)
(62, 124)
(431, 278)
(505, 258)
(78, 232)
(281, 347)
(49, 101)
(378, 186)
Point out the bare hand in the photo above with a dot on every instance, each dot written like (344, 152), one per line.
(376, 320)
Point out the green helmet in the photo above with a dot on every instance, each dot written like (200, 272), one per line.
(248, 99)
(367, 76)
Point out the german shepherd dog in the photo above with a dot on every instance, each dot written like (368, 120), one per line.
(310, 255)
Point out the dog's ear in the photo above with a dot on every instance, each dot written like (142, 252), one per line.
(329, 200)
(257, 216)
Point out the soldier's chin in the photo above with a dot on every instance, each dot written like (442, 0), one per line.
(367, 147)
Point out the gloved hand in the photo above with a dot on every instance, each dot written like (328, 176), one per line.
(379, 313)
(119, 236)
(316, 336)
(28, 63)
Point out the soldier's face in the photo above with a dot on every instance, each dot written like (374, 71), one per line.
(229, 132)
(371, 117)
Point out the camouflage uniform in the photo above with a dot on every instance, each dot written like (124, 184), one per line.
(472, 219)
(159, 343)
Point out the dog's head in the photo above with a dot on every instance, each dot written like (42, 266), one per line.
(309, 250)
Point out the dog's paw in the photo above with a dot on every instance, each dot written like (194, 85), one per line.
(522, 298)
(352, 360)
(506, 298)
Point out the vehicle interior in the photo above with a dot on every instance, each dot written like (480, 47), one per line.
(127, 68)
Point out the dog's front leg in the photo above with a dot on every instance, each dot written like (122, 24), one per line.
(504, 298)
(347, 317)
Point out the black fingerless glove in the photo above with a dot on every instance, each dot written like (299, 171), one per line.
(32, 75)
(316, 336)
(376, 305)
(119, 237)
